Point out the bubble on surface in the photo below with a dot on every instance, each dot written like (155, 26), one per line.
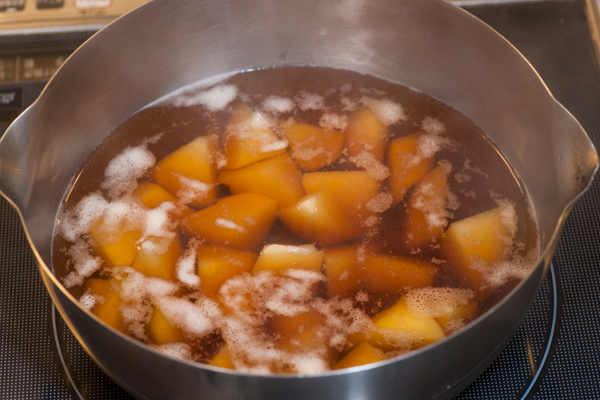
(385, 110)
(123, 171)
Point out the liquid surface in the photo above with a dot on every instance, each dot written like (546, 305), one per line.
(293, 220)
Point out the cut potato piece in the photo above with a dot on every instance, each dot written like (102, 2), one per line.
(386, 274)
(248, 139)
(365, 133)
(161, 332)
(292, 325)
(478, 240)
(107, 308)
(340, 265)
(157, 258)
(318, 217)
(153, 195)
(277, 178)
(458, 317)
(121, 251)
(190, 171)
(278, 258)
(241, 221)
(314, 147)
(398, 329)
(425, 216)
(362, 354)
(222, 358)
(406, 166)
(353, 190)
(217, 264)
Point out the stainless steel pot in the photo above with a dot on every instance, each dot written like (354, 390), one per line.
(429, 45)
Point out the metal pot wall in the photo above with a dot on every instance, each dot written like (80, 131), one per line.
(429, 45)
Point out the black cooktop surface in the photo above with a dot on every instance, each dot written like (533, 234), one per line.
(553, 355)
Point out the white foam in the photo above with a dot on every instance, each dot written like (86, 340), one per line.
(181, 351)
(123, 170)
(333, 121)
(84, 264)
(386, 111)
(310, 101)
(435, 302)
(81, 219)
(276, 104)
(381, 202)
(87, 301)
(192, 190)
(375, 168)
(186, 266)
(214, 99)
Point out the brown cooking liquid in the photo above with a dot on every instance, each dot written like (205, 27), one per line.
(341, 290)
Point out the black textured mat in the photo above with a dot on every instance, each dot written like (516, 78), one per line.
(554, 354)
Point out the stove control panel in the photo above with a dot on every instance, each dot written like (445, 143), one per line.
(43, 14)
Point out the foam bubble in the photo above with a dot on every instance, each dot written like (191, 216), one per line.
(181, 351)
(333, 121)
(276, 104)
(381, 202)
(84, 264)
(375, 168)
(214, 99)
(87, 301)
(192, 190)
(386, 111)
(123, 170)
(310, 101)
(186, 266)
(435, 302)
(82, 218)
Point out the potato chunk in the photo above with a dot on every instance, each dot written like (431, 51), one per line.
(314, 147)
(241, 221)
(396, 327)
(478, 240)
(217, 264)
(386, 274)
(222, 358)
(278, 258)
(340, 265)
(190, 171)
(353, 190)
(158, 258)
(365, 133)
(425, 216)
(161, 332)
(406, 165)
(318, 217)
(362, 354)
(248, 139)
(106, 308)
(458, 317)
(277, 178)
(153, 195)
(120, 251)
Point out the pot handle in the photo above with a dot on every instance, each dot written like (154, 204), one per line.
(13, 156)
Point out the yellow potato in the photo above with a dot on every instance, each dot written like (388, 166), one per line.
(481, 238)
(108, 309)
(216, 264)
(366, 133)
(397, 328)
(277, 178)
(222, 358)
(241, 221)
(362, 354)
(425, 215)
(248, 139)
(353, 190)
(341, 267)
(154, 259)
(314, 147)
(194, 161)
(458, 317)
(278, 258)
(318, 217)
(406, 166)
(387, 274)
(115, 249)
(152, 195)
(161, 332)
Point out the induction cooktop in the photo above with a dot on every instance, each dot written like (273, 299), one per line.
(553, 355)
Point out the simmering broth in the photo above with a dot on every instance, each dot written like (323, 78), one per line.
(293, 220)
